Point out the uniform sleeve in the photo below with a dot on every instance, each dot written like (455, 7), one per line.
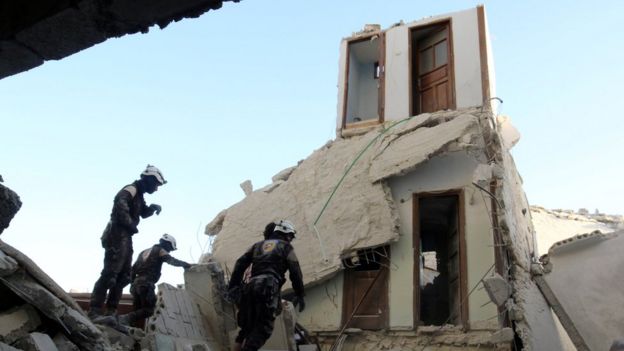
(166, 257)
(146, 211)
(239, 268)
(121, 211)
(296, 277)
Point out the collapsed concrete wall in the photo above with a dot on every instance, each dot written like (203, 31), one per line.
(583, 279)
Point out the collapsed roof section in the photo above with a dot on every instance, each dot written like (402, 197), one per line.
(345, 171)
(36, 31)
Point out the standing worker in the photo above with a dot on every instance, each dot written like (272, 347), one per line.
(128, 208)
(145, 275)
(259, 303)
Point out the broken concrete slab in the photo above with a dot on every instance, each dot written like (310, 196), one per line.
(36, 342)
(18, 322)
(8, 264)
(39, 275)
(283, 174)
(118, 339)
(497, 288)
(594, 263)
(79, 328)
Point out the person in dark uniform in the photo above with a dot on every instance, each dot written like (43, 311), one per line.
(260, 297)
(145, 274)
(128, 208)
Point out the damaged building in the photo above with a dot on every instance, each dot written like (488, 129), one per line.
(414, 207)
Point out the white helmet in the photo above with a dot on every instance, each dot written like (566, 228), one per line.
(155, 172)
(285, 227)
(170, 239)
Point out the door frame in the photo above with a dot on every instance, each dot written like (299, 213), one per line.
(463, 267)
(381, 36)
(413, 66)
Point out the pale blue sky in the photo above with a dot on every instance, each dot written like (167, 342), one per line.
(245, 91)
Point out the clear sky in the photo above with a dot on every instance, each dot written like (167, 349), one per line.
(248, 90)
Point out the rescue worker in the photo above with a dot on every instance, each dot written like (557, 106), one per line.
(260, 298)
(128, 208)
(145, 274)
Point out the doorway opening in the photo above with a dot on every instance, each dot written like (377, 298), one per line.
(431, 69)
(439, 251)
(364, 83)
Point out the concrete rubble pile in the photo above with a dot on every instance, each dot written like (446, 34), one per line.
(35, 313)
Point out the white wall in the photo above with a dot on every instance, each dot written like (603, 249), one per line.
(353, 95)
(467, 65)
(326, 299)
(368, 93)
(452, 171)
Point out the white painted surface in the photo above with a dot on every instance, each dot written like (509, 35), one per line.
(452, 171)
(342, 64)
(467, 58)
(325, 301)
(397, 74)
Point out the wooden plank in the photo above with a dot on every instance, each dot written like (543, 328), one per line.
(566, 321)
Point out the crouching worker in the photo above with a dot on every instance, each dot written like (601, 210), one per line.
(145, 274)
(260, 296)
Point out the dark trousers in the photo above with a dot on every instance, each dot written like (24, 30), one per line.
(258, 308)
(115, 275)
(144, 300)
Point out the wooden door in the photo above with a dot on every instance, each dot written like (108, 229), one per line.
(366, 285)
(434, 71)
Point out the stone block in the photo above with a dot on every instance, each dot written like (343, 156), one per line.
(36, 342)
(9, 201)
(17, 322)
(247, 187)
(497, 288)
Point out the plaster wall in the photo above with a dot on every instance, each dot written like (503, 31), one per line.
(451, 171)
(397, 76)
(490, 64)
(327, 301)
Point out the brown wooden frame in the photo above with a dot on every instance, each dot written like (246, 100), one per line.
(485, 69)
(384, 273)
(463, 266)
(451, 61)
(382, 81)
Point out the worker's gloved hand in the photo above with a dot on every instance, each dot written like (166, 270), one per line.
(298, 301)
(233, 295)
(156, 208)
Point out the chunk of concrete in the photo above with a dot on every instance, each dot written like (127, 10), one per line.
(8, 264)
(17, 322)
(497, 288)
(247, 187)
(9, 204)
(63, 343)
(117, 338)
(5, 347)
(284, 174)
(36, 342)
(502, 336)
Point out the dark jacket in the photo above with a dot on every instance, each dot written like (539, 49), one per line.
(148, 264)
(273, 257)
(128, 209)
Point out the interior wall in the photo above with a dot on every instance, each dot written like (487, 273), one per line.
(451, 171)
(367, 93)
(353, 95)
(327, 301)
(342, 65)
